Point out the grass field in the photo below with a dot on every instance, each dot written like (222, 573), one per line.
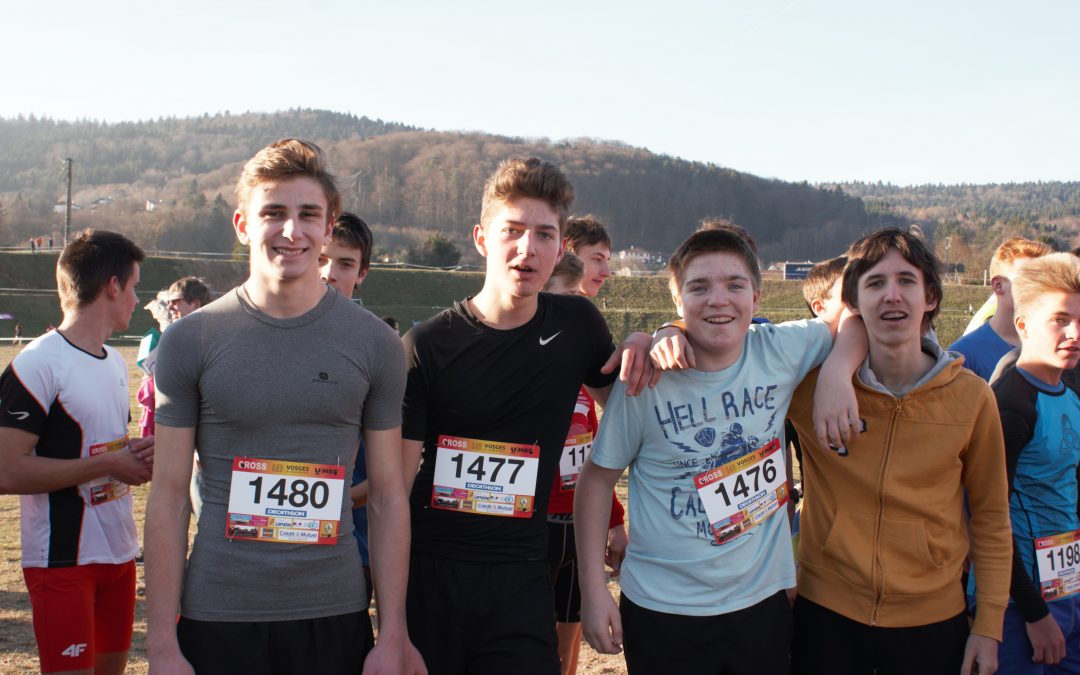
(628, 304)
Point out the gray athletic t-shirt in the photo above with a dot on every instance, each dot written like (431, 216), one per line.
(297, 389)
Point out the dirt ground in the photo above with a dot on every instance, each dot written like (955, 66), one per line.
(18, 653)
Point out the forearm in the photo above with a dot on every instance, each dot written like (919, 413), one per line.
(30, 474)
(592, 508)
(850, 347)
(168, 514)
(389, 536)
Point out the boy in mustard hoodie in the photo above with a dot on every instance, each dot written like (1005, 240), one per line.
(883, 536)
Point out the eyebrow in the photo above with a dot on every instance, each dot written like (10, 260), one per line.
(880, 275)
(542, 226)
(730, 277)
(303, 207)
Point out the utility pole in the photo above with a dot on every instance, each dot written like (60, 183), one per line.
(67, 214)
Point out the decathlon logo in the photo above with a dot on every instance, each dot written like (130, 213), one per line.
(74, 650)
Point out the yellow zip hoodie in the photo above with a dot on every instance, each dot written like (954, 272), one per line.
(882, 533)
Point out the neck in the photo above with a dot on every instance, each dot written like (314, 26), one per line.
(712, 362)
(1044, 372)
(284, 300)
(503, 311)
(86, 329)
(899, 367)
(1002, 324)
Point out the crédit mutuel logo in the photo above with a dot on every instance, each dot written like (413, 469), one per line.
(323, 378)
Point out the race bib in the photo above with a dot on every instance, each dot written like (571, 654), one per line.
(744, 492)
(1059, 564)
(106, 489)
(576, 450)
(485, 477)
(285, 502)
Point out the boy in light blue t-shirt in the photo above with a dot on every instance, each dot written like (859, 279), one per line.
(710, 558)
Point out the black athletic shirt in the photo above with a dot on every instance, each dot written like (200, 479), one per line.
(515, 386)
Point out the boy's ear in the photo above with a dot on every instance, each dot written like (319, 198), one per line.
(1000, 285)
(113, 288)
(239, 224)
(479, 239)
(1021, 325)
(360, 277)
(677, 299)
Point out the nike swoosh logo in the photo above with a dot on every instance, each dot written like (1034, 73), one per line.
(24, 415)
(544, 341)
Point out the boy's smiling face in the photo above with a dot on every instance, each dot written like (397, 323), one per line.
(717, 299)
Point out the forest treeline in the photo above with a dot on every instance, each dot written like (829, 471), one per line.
(168, 184)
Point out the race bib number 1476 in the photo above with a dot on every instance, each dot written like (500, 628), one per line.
(744, 492)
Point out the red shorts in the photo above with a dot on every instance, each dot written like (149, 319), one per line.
(81, 611)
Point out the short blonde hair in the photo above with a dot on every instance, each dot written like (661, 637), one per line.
(1016, 248)
(289, 158)
(1053, 273)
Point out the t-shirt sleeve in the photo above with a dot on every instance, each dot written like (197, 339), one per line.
(621, 434)
(27, 391)
(382, 409)
(176, 379)
(600, 348)
(800, 346)
(415, 404)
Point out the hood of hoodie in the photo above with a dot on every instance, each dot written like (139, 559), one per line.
(947, 365)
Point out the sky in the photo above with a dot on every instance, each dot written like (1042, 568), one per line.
(818, 90)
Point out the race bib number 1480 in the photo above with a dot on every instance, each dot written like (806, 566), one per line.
(285, 502)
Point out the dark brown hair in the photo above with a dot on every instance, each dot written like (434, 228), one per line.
(351, 231)
(585, 231)
(88, 263)
(712, 241)
(868, 251)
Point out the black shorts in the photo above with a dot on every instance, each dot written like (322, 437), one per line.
(750, 641)
(335, 645)
(467, 617)
(562, 561)
(829, 643)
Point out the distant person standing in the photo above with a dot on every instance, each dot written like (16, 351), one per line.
(17, 340)
(64, 447)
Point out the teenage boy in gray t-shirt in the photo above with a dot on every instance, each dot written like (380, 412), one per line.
(272, 385)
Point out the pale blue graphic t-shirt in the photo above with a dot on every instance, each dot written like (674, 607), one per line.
(693, 422)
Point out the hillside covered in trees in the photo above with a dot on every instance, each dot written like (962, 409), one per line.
(975, 218)
(168, 183)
